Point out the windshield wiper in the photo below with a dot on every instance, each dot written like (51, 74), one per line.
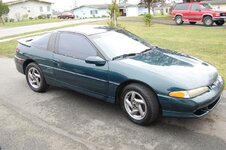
(124, 56)
(149, 49)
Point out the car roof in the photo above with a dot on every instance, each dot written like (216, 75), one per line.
(202, 2)
(88, 29)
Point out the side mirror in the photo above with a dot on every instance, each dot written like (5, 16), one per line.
(98, 61)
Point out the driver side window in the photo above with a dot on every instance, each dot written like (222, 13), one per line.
(76, 46)
(195, 7)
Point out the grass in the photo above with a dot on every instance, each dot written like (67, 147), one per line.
(8, 49)
(28, 22)
(163, 17)
(206, 43)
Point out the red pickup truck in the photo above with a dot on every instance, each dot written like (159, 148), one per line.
(198, 12)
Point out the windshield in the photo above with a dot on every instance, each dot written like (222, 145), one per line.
(117, 43)
(206, 6)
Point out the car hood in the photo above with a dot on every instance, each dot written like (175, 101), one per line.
(183, 70)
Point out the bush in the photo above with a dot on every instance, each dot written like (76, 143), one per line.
(147, 19)
(11, 20)
(30, 18)
(6, 19)
(48, 16)
(24, 16)
(42, 17)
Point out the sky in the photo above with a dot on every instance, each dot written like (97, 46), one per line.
(62, 5)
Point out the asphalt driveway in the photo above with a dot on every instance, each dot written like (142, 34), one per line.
(62, 119)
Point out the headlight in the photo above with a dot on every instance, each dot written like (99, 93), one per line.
(218, 14)
(190, 93)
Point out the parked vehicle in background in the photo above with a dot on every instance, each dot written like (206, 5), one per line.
(198, 12)
(66, 15)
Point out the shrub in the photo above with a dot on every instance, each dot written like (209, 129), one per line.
(30, 18)
(147, 19)
(42, 17)
(24, 16)
(11, 20)
(6, 19)
(48, 16)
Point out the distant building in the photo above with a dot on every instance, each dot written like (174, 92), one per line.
(218, 4)
(25, 9)
(101, 10)
(89, 11)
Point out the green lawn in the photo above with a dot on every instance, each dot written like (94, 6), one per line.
(206, 43)
(29, 22)
(8, 49)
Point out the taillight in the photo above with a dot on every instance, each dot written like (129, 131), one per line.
(17, 50)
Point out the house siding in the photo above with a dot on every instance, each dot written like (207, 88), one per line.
(132, 11)
(30, 8)
(85, 12)
(220, 6)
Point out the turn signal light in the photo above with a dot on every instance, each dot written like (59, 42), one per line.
(179, 94)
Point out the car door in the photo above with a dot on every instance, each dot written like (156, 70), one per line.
(71, 68)
(195, 13)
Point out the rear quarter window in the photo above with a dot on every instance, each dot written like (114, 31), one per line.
(181, 7)
(42, 41)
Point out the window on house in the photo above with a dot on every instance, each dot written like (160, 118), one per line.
(93, 12)
(41, 9)
(48, 8)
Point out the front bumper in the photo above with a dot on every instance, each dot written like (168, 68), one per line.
(194, 107)
(219, 18)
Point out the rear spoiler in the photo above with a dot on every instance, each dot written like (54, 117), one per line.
(25, 41)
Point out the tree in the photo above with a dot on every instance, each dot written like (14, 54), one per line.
(149, 4)
(4, 9)
(114, 13)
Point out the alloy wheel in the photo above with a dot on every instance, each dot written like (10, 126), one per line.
(34, 77)
(135, 105)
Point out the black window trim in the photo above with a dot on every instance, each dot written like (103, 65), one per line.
(56, 51)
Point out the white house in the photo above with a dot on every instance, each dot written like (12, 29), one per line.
(101, 10)
(218, 4)
(24, 9)
(89, 11)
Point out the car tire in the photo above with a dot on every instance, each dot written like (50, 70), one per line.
(192, 22)
(35, 78)
(208, 21)
(179, 20)
(140, 104)
(220, 22)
